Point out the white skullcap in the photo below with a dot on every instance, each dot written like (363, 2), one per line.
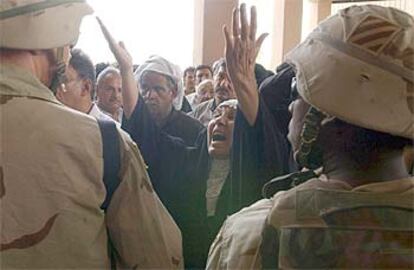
(162, 66)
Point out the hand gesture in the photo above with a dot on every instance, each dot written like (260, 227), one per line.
(121, 54)
(241, 47)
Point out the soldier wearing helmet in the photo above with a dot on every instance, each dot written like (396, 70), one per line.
(351, 120)
(52, 191)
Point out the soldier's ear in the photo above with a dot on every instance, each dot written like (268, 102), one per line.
(87, 87)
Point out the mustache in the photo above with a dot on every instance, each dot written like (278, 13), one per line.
(115, 100)
(151, 102)
(222, 89)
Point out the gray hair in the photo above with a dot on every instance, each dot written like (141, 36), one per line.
(106, 71)
(204, 84)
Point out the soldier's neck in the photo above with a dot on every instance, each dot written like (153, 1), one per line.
(35, 62)
(86, 105)
(379, 167)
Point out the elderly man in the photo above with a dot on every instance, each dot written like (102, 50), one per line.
(108, 93)
(347, 122)
(56, 210)
(223, 90)
(161, 88)
(78, 88)
(197, 183)
(204, 92)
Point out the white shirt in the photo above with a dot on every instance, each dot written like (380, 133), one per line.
(98, 114)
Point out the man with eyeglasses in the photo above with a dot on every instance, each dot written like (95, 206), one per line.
(162, 91)
(78, 89)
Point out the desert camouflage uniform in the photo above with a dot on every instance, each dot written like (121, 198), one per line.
(305, 227)
(51, 189)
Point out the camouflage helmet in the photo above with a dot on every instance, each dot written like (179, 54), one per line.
(358, 66)
(40, 24)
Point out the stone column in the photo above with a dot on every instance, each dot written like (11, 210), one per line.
(287, 28)
(209, 18)
(317, 10)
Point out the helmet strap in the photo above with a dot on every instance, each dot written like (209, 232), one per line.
(309, 154)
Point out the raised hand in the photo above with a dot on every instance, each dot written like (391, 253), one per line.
(129, 86)
(241, 49)
(121, 54)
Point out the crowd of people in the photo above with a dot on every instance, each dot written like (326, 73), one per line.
(221, 166)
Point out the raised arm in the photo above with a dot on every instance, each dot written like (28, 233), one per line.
(129, 85)
(241, 49)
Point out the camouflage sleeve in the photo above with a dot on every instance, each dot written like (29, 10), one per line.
(214, 254)
(141, 230)
(237, 245)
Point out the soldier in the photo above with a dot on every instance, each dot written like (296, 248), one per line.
(51, 170)
(352, 118)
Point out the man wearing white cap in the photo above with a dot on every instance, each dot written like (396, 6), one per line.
(56, 210)
(352, 118)
(161, 87)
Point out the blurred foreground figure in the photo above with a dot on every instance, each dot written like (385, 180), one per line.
(56, 212)
(352, 118)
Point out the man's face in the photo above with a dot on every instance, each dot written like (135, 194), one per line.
(70, 93)
(202, 74)
(206, 92)
(109, 93)
(223, 88)
(220, 132)
(158, 93)
(298, 109)
(189, 82)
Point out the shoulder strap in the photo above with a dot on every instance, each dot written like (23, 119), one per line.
(112, 158)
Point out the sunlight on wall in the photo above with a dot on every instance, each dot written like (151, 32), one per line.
(166, 27)
(265, 24)
(147, 27)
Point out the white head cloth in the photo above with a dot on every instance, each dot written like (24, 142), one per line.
(162, 66)
(229, 103)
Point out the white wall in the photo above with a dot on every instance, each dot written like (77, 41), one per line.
(163, 27)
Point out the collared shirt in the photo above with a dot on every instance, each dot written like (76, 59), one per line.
(204, 111)
(120, 114)
(98, 114)
(237, 246)
(190, 98)
(51, 189)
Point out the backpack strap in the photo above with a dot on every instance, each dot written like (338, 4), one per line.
(112, 158)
